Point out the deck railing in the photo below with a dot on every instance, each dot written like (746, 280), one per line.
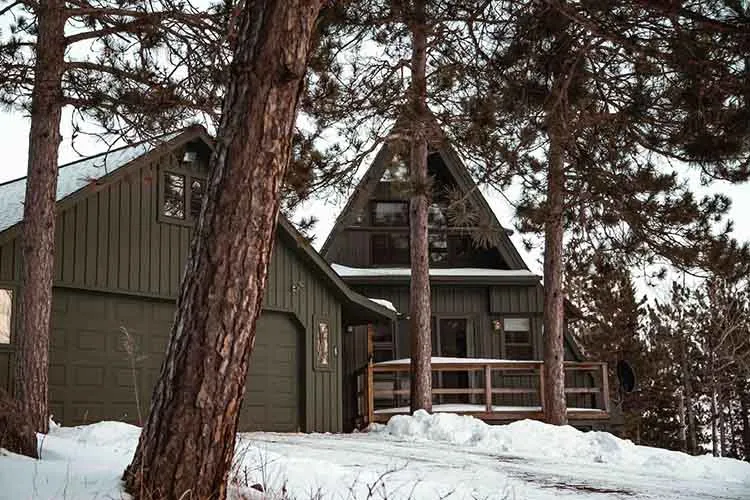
(486, 390)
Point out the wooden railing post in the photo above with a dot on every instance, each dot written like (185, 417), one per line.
(605, 387)
(370, 393)
(541, 386)
(488, 388)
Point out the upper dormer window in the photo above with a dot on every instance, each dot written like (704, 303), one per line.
(174, 196)
(390, 213)
(181, 196)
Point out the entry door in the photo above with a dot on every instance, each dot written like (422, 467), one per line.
(451, 340)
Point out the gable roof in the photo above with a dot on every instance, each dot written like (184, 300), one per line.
(464, 182)
(74, 177)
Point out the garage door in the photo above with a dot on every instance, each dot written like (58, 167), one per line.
(91, 377)
(274, 383)
(90, 370)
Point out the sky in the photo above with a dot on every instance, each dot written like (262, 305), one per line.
(14, 130)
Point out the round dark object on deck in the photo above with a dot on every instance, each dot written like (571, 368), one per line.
(626, 375)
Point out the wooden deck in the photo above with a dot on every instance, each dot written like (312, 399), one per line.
(383, 390)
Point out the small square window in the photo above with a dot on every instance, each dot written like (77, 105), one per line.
(174, 196)
(6, 314)
(390, 249)
(517, 332)
(197, 190)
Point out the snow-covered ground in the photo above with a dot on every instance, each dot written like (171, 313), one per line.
(419, 457)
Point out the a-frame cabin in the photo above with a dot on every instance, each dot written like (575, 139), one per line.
(486, 304)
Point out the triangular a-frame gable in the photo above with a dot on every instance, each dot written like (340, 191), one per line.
(366, 191)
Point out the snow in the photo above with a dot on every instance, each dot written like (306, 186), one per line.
(471, 408)
(422, 457)
(459, 361)
(464, 408)
(351, 272)
(71, 178)
(385, 303)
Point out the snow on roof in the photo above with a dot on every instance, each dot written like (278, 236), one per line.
(71, 177)
(385, 303)
(458, 361)
(350, 272)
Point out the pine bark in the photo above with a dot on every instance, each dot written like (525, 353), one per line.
(420, 310)
(38, 231)
(555, 407)
(187, 445)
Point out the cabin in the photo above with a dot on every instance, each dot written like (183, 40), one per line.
(487, 335)
(123, 228)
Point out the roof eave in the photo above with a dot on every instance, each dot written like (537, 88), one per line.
(360, 305)
(445, 280)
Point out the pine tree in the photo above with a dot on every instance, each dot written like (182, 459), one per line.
(187, 444)
(587, 115)
(121, 83)
(611, 329)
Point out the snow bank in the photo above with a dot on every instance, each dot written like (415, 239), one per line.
(554, 443)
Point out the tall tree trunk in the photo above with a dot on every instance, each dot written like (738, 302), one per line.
(682, 420)
(733, 450)
(38, 232)
(555, 408)
(743, 389)
(187, 444)
(714, 409)
(722, 427)
(692, 438)
(420, 310)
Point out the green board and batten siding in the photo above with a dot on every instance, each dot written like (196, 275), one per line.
(478, 303)
(109, 241)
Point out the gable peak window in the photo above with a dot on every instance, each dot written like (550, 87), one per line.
(396, 171)
(181, 194)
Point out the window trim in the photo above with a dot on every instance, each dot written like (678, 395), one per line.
(14, 288)
(503, 342)
(332, 348)
(189, 176)
(373, 208)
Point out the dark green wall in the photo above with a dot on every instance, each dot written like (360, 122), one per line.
(110, 240)
(480, 304)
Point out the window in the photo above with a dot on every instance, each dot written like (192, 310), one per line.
(181, 197)
(516, 337)
(397, 171)
(390, 249)
(174, 195)
(322, 346)
(436, 216)
(438, 244)
(6, 314)
(390, 213)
